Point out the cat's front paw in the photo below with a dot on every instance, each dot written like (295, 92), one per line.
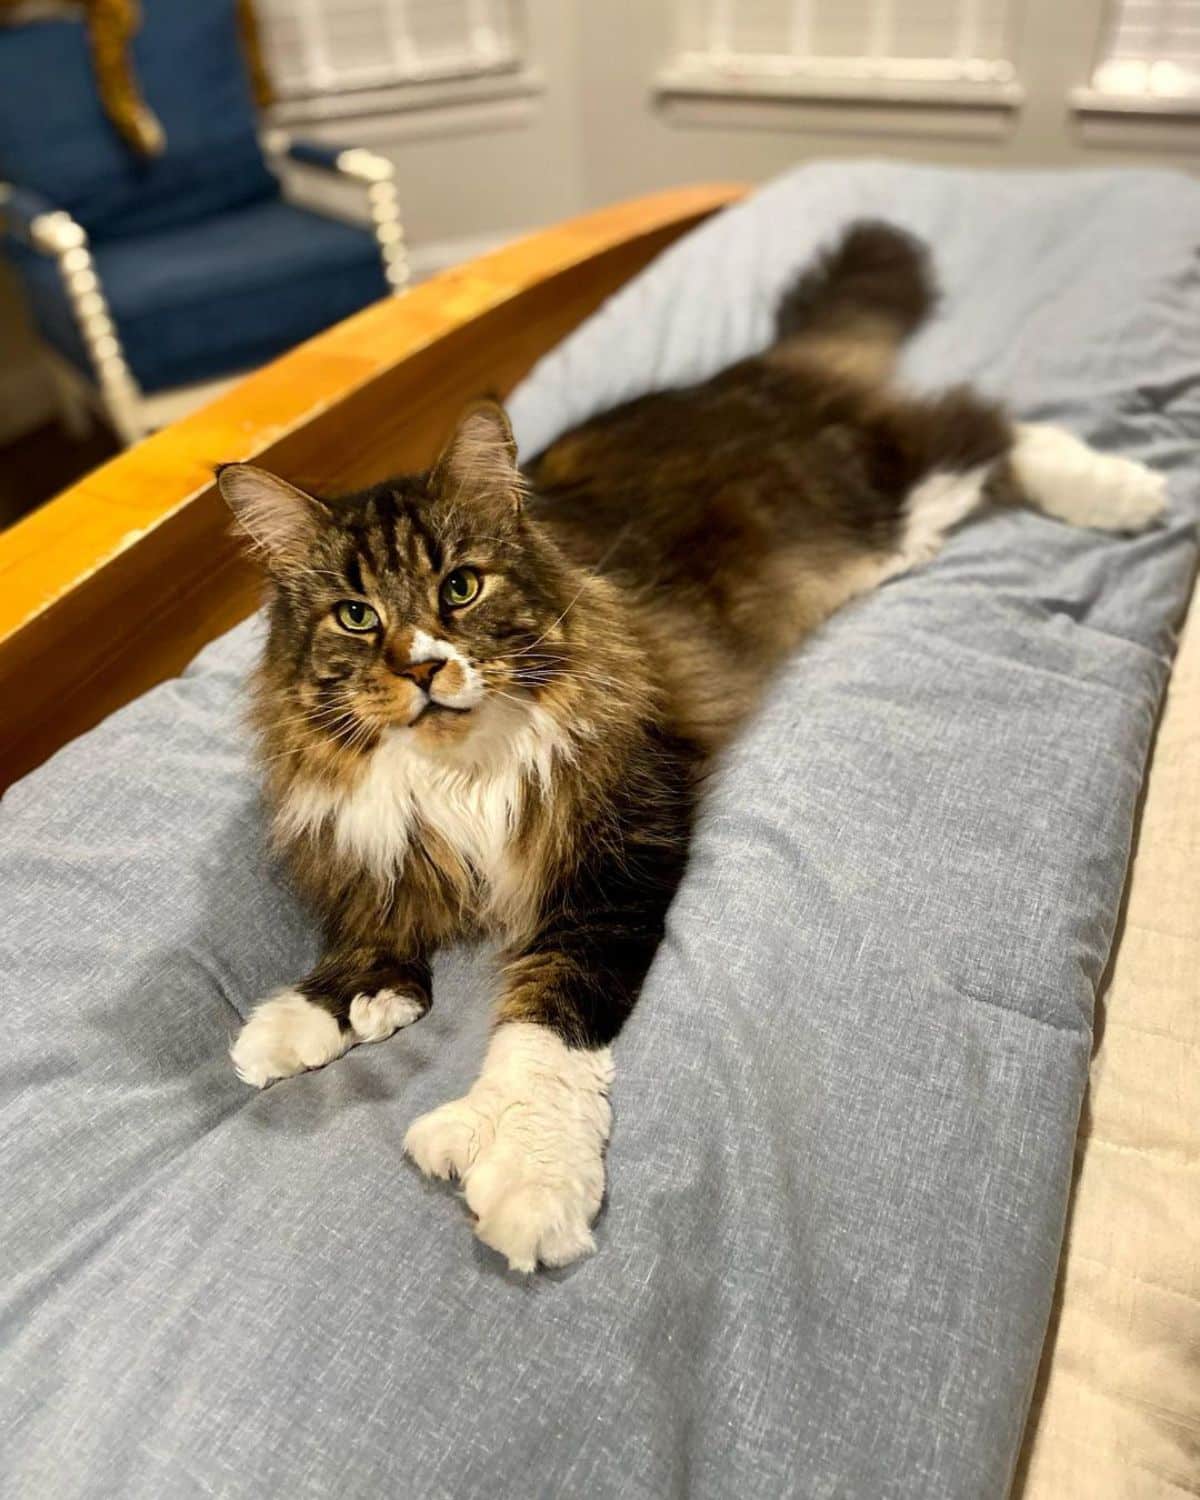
(290, 1033)
(531, 1209)
(534, 1194)
(527, 1145)
(283, 1036)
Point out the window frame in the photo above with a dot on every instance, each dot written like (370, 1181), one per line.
(435, 86)
(1096, 98)
(801, 77)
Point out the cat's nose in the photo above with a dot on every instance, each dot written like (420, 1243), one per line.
(421, 672)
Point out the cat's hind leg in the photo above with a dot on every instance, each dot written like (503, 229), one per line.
(974, 456)
(932, 509)
(350, 997)
(1064, 477)
(953, 447)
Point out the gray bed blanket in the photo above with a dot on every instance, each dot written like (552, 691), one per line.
(846, 1106)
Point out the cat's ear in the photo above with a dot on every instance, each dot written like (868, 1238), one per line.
(479, 463)
(282, 521)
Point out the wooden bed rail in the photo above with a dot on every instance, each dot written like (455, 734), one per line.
(115, 584)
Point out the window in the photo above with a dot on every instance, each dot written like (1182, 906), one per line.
(1150, 50)
(900, 48)
(335, 46)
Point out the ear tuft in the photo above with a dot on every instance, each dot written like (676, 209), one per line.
(480, 460)
(281, 520)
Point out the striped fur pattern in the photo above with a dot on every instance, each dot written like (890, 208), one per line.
(488, 697)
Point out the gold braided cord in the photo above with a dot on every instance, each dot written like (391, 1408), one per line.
(112, 26)
(260, 82)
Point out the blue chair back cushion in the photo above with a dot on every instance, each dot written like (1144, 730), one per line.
(208, 299)
(56, 138)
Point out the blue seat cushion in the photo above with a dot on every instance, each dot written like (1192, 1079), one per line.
(210, 299)
(56, 138)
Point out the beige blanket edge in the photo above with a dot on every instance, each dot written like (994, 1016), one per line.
(1116, 1408)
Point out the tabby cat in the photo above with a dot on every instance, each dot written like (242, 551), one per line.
(487, 698)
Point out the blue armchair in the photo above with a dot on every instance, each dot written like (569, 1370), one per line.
(155, 278)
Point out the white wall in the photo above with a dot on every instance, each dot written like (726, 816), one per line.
(507, 167)
(476, 171)
(634, 141)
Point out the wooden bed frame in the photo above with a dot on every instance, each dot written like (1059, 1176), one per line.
(115, 584)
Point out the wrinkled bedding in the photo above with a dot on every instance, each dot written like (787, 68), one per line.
(845, 1111)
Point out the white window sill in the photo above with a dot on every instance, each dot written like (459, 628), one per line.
(1088, 101)
(690, 81)
(479, 94)
(1136, 122)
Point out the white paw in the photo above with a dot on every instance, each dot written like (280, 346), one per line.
(283, 1036)
(375, 1017)
(531, 1210)
(1066, 478)
(1129, 496)
(527, 1144)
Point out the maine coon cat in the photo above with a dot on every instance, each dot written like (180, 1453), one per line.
(488, 698)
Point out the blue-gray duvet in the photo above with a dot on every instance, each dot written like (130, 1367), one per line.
(845, 1108)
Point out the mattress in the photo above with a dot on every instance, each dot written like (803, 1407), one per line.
(846, 1108)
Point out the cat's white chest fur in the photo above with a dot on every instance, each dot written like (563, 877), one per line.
(470, 796)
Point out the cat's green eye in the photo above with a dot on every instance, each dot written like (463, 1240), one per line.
(460, 587)
(355, 616)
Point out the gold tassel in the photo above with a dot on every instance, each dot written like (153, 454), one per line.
(260, 82)
(112, 25)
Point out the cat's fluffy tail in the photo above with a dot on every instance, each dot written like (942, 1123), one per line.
(861, 299)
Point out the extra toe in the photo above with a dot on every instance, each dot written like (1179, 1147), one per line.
(375, 1017)
(447, 1140)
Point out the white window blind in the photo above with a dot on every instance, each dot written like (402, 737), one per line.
(1151, 50)
(330, 46)
(953, 41)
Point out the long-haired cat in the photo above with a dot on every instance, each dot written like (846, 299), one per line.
(487, 698)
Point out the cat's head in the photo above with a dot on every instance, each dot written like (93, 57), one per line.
(429, 605)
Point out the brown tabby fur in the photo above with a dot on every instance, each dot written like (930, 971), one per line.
(669, 554)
